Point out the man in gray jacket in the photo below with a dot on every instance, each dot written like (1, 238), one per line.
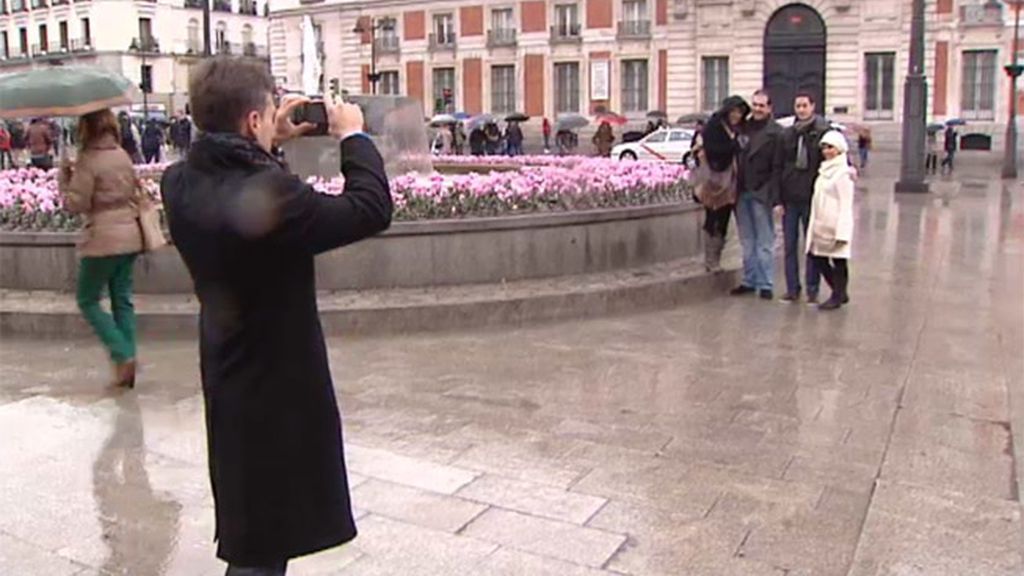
(758, 194)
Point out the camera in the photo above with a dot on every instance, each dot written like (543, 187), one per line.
(313, 112)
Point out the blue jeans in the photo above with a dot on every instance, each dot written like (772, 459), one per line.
(757, 236)
(795, 218)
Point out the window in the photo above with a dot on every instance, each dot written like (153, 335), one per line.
(44, 38)
(716, 81)
(17, 5)
(634, 10)
(679, 136)
(444, 28)
(503, 89)
(567, 20)
(388, 31)
(389, 83)
(444, 90)
(656, 137)
(64, 39)
(147, 79)
(23, 41)
(567, 87)
(977, 100)
(634, 85)
(502, 20)
(193, 37)
(879, 85)
(87, 31)
(145, 32)
(5, 46)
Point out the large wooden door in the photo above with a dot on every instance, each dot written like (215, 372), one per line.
(794, 57)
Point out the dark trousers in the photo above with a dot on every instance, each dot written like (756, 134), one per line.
(948, 160)
(152, 155)
(6, 160)
(716, 222)
(794, 218)
(277, 569)
(836, 274)
(931, 162)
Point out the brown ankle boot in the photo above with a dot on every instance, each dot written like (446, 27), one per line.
(125, 374)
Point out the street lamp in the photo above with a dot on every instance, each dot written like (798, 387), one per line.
(915, 97)
(1013, 70)
(385, 24)
(143, 46)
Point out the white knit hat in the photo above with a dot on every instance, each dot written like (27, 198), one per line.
(835, 139)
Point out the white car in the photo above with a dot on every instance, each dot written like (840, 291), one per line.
(664, 145)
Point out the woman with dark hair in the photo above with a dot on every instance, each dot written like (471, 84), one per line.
(717, 149)
(102, 186)
(603, 140)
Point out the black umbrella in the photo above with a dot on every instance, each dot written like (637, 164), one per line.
(657, 115)
(517, 117)
(956, 122)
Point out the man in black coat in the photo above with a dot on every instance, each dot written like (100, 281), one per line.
(249, 231)
(797, 158)
(758, 194)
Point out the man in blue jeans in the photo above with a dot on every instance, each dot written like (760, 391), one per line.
(758, 193)
(797, 158)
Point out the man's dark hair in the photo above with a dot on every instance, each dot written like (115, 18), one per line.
(763, 92)
(804, 94)
(224, 90)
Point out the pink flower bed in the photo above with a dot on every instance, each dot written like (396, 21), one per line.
(29, 199)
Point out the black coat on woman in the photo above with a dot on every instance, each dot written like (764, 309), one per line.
(720, 147)
(248, 232)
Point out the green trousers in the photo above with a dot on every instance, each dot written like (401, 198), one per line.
(117, 330)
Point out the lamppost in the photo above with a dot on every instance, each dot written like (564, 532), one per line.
(385, 24)
(915, 97)
(206, 28)
(142, 46)
(1013, 70)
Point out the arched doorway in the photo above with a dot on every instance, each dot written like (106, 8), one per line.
(794, 56)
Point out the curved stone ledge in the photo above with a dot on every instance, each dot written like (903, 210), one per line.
(419, 254)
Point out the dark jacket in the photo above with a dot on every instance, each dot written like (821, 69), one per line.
(757, 161)
(720, 147)
(248, 232)
(152, 137)
(796, 183)
(949, 143)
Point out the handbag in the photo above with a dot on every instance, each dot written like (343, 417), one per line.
(149, 222)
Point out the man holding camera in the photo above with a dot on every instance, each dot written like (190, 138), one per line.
(248, 231)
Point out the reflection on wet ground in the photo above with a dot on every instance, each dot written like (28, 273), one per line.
(735, 437)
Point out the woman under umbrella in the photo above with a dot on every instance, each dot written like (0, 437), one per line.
(717, 150)
(603, 140)
(103, 187)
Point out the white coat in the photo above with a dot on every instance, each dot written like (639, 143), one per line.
(831, 222)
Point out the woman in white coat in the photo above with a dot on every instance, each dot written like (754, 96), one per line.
(831, 223)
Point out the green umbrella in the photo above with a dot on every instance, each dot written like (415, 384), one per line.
(62, 91)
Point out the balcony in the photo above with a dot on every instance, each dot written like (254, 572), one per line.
(442, 42)
(566, 34)
(15, 57)
(248, 9)
(501, 37)
(50, 50)
(194, 4)
(38, 4)
(981, 15)
(82, 45)
(145, 45)
(221, 6)
(60, 2)
(387, 44)
(634, 29)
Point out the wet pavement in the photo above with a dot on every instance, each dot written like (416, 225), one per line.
(735, 437)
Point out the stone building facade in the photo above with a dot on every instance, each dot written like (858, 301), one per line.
(150, 42)
(543, 57)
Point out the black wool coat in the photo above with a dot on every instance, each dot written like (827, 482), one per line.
(248, 232)
(757, 173)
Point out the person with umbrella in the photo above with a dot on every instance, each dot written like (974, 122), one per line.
(40, 144)
(249, 233)
(950, 142)
(459, 138)
(493, 138)
(546, 131)
(603, 140)
(129, 137)
(477, 141)
(6, 159)
(102, 186)
(931, 161)
(514, 138)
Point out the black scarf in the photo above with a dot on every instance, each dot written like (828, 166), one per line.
(231, 150)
